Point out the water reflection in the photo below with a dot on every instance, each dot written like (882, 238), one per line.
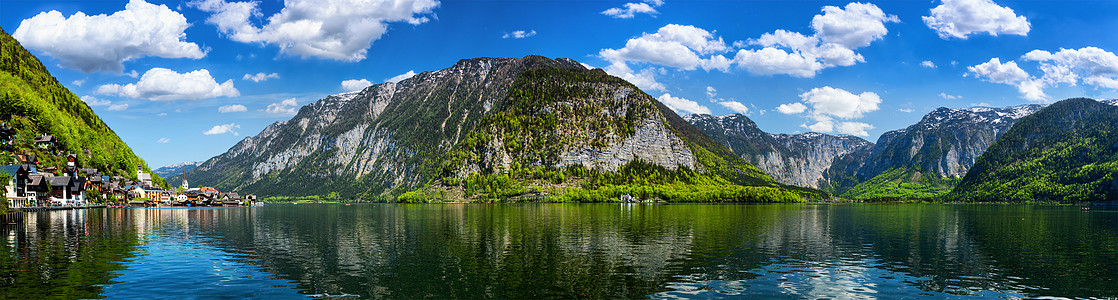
(564, 251)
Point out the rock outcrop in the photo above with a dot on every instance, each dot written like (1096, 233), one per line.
(798, 159)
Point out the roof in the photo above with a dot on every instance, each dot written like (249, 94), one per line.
(60, 181)
(45, 138)
(10, 169)
(35, 179)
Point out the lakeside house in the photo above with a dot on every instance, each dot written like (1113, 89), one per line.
(32, 185)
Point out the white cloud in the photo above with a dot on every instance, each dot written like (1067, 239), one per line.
(997, 72)
(791, 108)
(645, 79)
(94, 101)
(333, 29)
(735, 106)
(141, 29)
(159, 84)
(78, 82)
(1009, 73)
(683, 105)
(161, 114)
(231, 108)
(163, 140)
(673, 45)
(856, 26)
(828, 103)
(519, 34)
(960, 18)
(840, 103)
(905, 110)
(354, 85)
(224, 128)
(1089, 65)
(118, 107)
(632, 9)
(771, 61)
(827, 125)
(838, 32)
(132, 74)
(854, 128)
(716, 62)
(928, 64)
(397, 78)
(258, 77)
(711, 93)
(285, 107)
(946, 96)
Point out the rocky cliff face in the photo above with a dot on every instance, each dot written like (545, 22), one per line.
(944, 144)
(392, 137)
(798, 159)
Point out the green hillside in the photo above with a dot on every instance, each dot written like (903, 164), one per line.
(34, 103)
(1066, 152)
(902, 183)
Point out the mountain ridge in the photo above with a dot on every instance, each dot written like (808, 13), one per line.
(476, 118)
(793, 159)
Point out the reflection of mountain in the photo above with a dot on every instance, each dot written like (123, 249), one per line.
(571, 251)
(64, 254)
(1063, 251)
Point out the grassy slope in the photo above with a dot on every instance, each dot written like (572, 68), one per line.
(905, 183)
(34, 103)
(1068, 151)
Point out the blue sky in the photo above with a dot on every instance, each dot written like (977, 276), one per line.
(186, 80)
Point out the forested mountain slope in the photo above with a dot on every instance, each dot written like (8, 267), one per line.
(1067, 151)
(35, 103)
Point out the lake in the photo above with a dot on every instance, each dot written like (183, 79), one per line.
(564, 251)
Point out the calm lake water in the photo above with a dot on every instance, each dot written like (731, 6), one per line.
(563, 251)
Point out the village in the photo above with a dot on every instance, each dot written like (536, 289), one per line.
(31, 186)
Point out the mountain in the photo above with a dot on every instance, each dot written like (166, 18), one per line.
(798, 159)
(485, 127)
(925, 159)
(1067, 151)
(35, 103)
(176, 169)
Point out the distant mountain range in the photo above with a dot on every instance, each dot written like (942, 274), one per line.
(533, 126)
(176, 169)
(925, 160)
(799, 159)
